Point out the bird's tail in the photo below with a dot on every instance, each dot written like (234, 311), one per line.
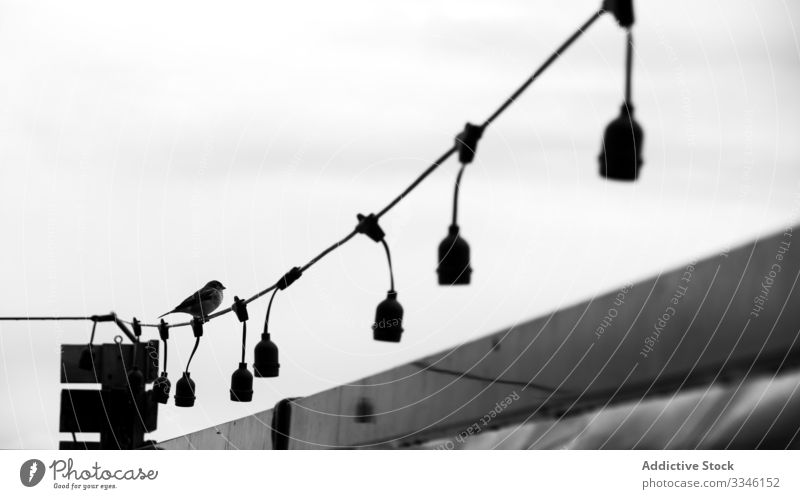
(170, 312)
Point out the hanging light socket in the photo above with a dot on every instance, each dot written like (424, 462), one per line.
(266, 358)
(242, 384)
(184, 391)
(454, 259)
(388, 324)
(161, 387)
(241, 379)
(620, 157)
(135, 379)
(86, 361)
(365, 413)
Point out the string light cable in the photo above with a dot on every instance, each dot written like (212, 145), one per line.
(465, 144)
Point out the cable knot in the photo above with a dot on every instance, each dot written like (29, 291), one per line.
(197, 328)
(137, 328)
(104, 318)
(239, 307)
(163, 330)
(368, 225)
(467, 142)
(622, 10)
(289, 278)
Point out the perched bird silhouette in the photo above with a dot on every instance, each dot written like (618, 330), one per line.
(202, 302)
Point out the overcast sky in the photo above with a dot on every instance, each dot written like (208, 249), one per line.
(148, 147)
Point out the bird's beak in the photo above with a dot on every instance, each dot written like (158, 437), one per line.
(223, 287)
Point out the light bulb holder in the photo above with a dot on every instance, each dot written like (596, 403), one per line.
(185, 391)
(365, 413)
(454, 259)
(161, 387)
(86, 361)
(242, 384)
(266, 363)
(388, 324)
(135, 379)
(621, 154)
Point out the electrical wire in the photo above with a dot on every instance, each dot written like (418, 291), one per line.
(326, 252)
(165, 356)
(418, 180)
(196, 344)
(455, 193)
(244, 340)
(94, 328)
(389, 259)
(269, 309)
(49, 318)
(486, 379)
(438, 162)
(628, 67)
(136, 403)
(555, 55)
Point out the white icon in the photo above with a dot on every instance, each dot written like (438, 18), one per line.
(34, 467)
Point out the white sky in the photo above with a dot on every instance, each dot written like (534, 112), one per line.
(148, 147)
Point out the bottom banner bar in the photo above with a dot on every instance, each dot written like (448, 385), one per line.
(401, 474)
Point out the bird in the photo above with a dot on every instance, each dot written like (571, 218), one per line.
(203, 302)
